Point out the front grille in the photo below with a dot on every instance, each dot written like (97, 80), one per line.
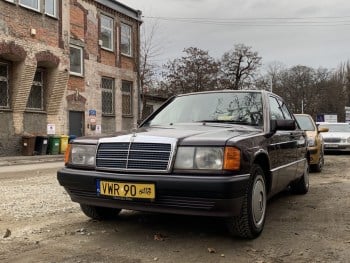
(134, 156)
(333, 140)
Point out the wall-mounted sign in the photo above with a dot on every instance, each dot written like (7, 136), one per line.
(92, 112)
(51, 129)
(98, 128)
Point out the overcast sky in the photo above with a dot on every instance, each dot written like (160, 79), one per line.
(313, 33)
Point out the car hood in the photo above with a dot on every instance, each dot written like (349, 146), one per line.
(185, 134)
(336, 135)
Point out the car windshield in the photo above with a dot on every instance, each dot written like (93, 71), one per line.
(337, 127)
(220, 107)
(305, 123)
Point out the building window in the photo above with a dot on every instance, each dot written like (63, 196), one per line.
(107, 96)
(36, 96)
(107, 32)
(51, 8)
(76, 60)
(4, 86)
(127, 98)
(126, 41)
(32, 4)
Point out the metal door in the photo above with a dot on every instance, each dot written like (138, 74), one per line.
(76, 123)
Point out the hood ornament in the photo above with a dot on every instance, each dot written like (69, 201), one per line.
(133, 132)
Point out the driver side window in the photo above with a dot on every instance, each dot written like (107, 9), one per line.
(275, 110)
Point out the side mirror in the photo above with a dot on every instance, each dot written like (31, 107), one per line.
(322, 129)
(282, 125)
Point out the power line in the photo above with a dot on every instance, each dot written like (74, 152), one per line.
(263, 21)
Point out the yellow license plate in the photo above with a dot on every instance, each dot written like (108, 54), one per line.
(126, 190)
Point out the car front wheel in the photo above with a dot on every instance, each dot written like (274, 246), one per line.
(99, 213)
(250, 223)
(318, 167)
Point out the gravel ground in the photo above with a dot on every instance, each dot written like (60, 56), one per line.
(39, 223)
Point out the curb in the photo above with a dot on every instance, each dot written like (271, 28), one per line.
(17, 160)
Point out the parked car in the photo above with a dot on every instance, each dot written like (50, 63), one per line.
(221, 153)
(315, 140)
(338, 136)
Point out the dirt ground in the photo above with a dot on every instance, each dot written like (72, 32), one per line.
(39, 223)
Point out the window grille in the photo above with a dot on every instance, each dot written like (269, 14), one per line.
(127, 98)
(107, 96)
(4, 86)
(36, 96)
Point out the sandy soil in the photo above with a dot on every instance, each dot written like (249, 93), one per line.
(39, 223)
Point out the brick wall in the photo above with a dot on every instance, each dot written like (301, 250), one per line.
(24, 52)
(13, 17)
(101, 63)
(49, 48)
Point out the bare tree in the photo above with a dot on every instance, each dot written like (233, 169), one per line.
(150, 49)
(297, 87)
(274, 71)
(239, 66)
(196, 71)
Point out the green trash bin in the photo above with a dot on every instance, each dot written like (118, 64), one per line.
(63, 143)
(28, 144)
(54, 144)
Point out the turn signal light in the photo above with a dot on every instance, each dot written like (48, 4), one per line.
(67, 154)
(232, 158)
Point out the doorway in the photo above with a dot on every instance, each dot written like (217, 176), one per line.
(76, 123)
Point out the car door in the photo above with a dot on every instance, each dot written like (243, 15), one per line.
(285, 143)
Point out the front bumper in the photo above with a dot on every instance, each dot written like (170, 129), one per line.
(337, 146)
(207, 195)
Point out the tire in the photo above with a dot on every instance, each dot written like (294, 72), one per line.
(250, 223)
(319, 166)
(99, 213)
(301, 186)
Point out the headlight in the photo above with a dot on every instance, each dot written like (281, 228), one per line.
(311, 142)
(184, 158)
(207, 158)
(82, 155)
(348, 140)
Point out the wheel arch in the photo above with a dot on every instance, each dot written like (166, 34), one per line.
(261, 158)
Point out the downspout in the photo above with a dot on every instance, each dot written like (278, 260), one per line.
(139, 112)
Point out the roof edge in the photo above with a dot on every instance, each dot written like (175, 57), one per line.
(122, 8)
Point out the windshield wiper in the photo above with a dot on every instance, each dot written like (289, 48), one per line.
(229, 121)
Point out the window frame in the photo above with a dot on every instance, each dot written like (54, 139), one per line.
(79, 74)
(111, 48)
(54, 9)
(40, 84)
(6, 78)
(129, 93)
(30, 7)
(112, 94)
(130, 40)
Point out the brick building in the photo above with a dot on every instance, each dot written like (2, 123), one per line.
(69, 63)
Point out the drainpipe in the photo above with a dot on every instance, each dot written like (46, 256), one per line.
(139, 112)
